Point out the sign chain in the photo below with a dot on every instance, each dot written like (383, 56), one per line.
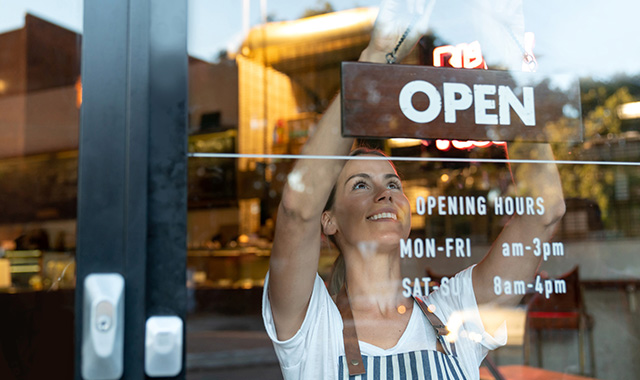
(391, 56)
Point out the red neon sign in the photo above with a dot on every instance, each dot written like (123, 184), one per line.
(461, 56)
(470, 144)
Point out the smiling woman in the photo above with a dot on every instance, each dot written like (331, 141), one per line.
(369, 325)
(391, 208)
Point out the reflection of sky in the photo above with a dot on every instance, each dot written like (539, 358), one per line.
(580, 36)
(585, 35)
(66, 13)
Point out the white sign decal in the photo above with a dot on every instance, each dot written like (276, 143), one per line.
(459, 97)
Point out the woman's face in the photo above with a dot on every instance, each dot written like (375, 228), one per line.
(369, 206)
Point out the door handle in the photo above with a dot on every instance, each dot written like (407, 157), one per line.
(103, 326)
(163, 346)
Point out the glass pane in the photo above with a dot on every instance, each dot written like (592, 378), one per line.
(40, 98)
(262, 75)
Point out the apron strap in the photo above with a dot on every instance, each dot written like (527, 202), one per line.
(349, 335)
(439, 327)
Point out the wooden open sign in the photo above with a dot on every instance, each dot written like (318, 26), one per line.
(441, 103)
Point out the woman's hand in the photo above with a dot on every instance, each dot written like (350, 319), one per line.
(398, 20)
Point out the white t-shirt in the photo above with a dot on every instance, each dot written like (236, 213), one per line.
(314, 351)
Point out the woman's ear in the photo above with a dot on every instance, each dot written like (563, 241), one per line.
(328, 226)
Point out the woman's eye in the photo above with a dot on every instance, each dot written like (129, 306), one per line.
(359, 185)
(394, 185)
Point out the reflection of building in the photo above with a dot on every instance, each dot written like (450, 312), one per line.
(42, 61)
(213, 96)
(40, 98)
(39, 118)
(267, 99)
(287, 73)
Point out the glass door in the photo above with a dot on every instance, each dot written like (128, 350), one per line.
(261, 75)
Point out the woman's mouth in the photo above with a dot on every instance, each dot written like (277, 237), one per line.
(383, 215)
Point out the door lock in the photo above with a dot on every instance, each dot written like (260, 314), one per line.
(103, 326)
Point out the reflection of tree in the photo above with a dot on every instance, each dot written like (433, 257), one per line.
(320, 8)
(603, 119)
(594, 182)
(594, 93)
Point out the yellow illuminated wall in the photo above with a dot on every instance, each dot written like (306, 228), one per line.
(265, 96)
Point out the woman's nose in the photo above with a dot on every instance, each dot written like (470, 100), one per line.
(383, 195)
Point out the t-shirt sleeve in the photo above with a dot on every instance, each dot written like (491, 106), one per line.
(456, 306)
(291, 352)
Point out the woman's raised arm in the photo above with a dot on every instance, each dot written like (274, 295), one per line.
(540, 182)
(296, 246)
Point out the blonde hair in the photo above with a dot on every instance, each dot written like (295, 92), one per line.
(339, 271)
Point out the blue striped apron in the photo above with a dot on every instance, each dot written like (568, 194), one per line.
(415, 365)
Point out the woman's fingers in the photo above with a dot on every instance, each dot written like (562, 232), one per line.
(400, 24)
(423, 21)
(403, 11)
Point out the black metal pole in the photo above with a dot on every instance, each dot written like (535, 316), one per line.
(132, 162)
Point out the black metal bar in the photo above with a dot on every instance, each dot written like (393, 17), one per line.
(167, 217)
(137, 151)
(132, 175)
(102, 181)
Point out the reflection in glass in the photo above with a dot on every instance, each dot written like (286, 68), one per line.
(280, 89)
(40, 98)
